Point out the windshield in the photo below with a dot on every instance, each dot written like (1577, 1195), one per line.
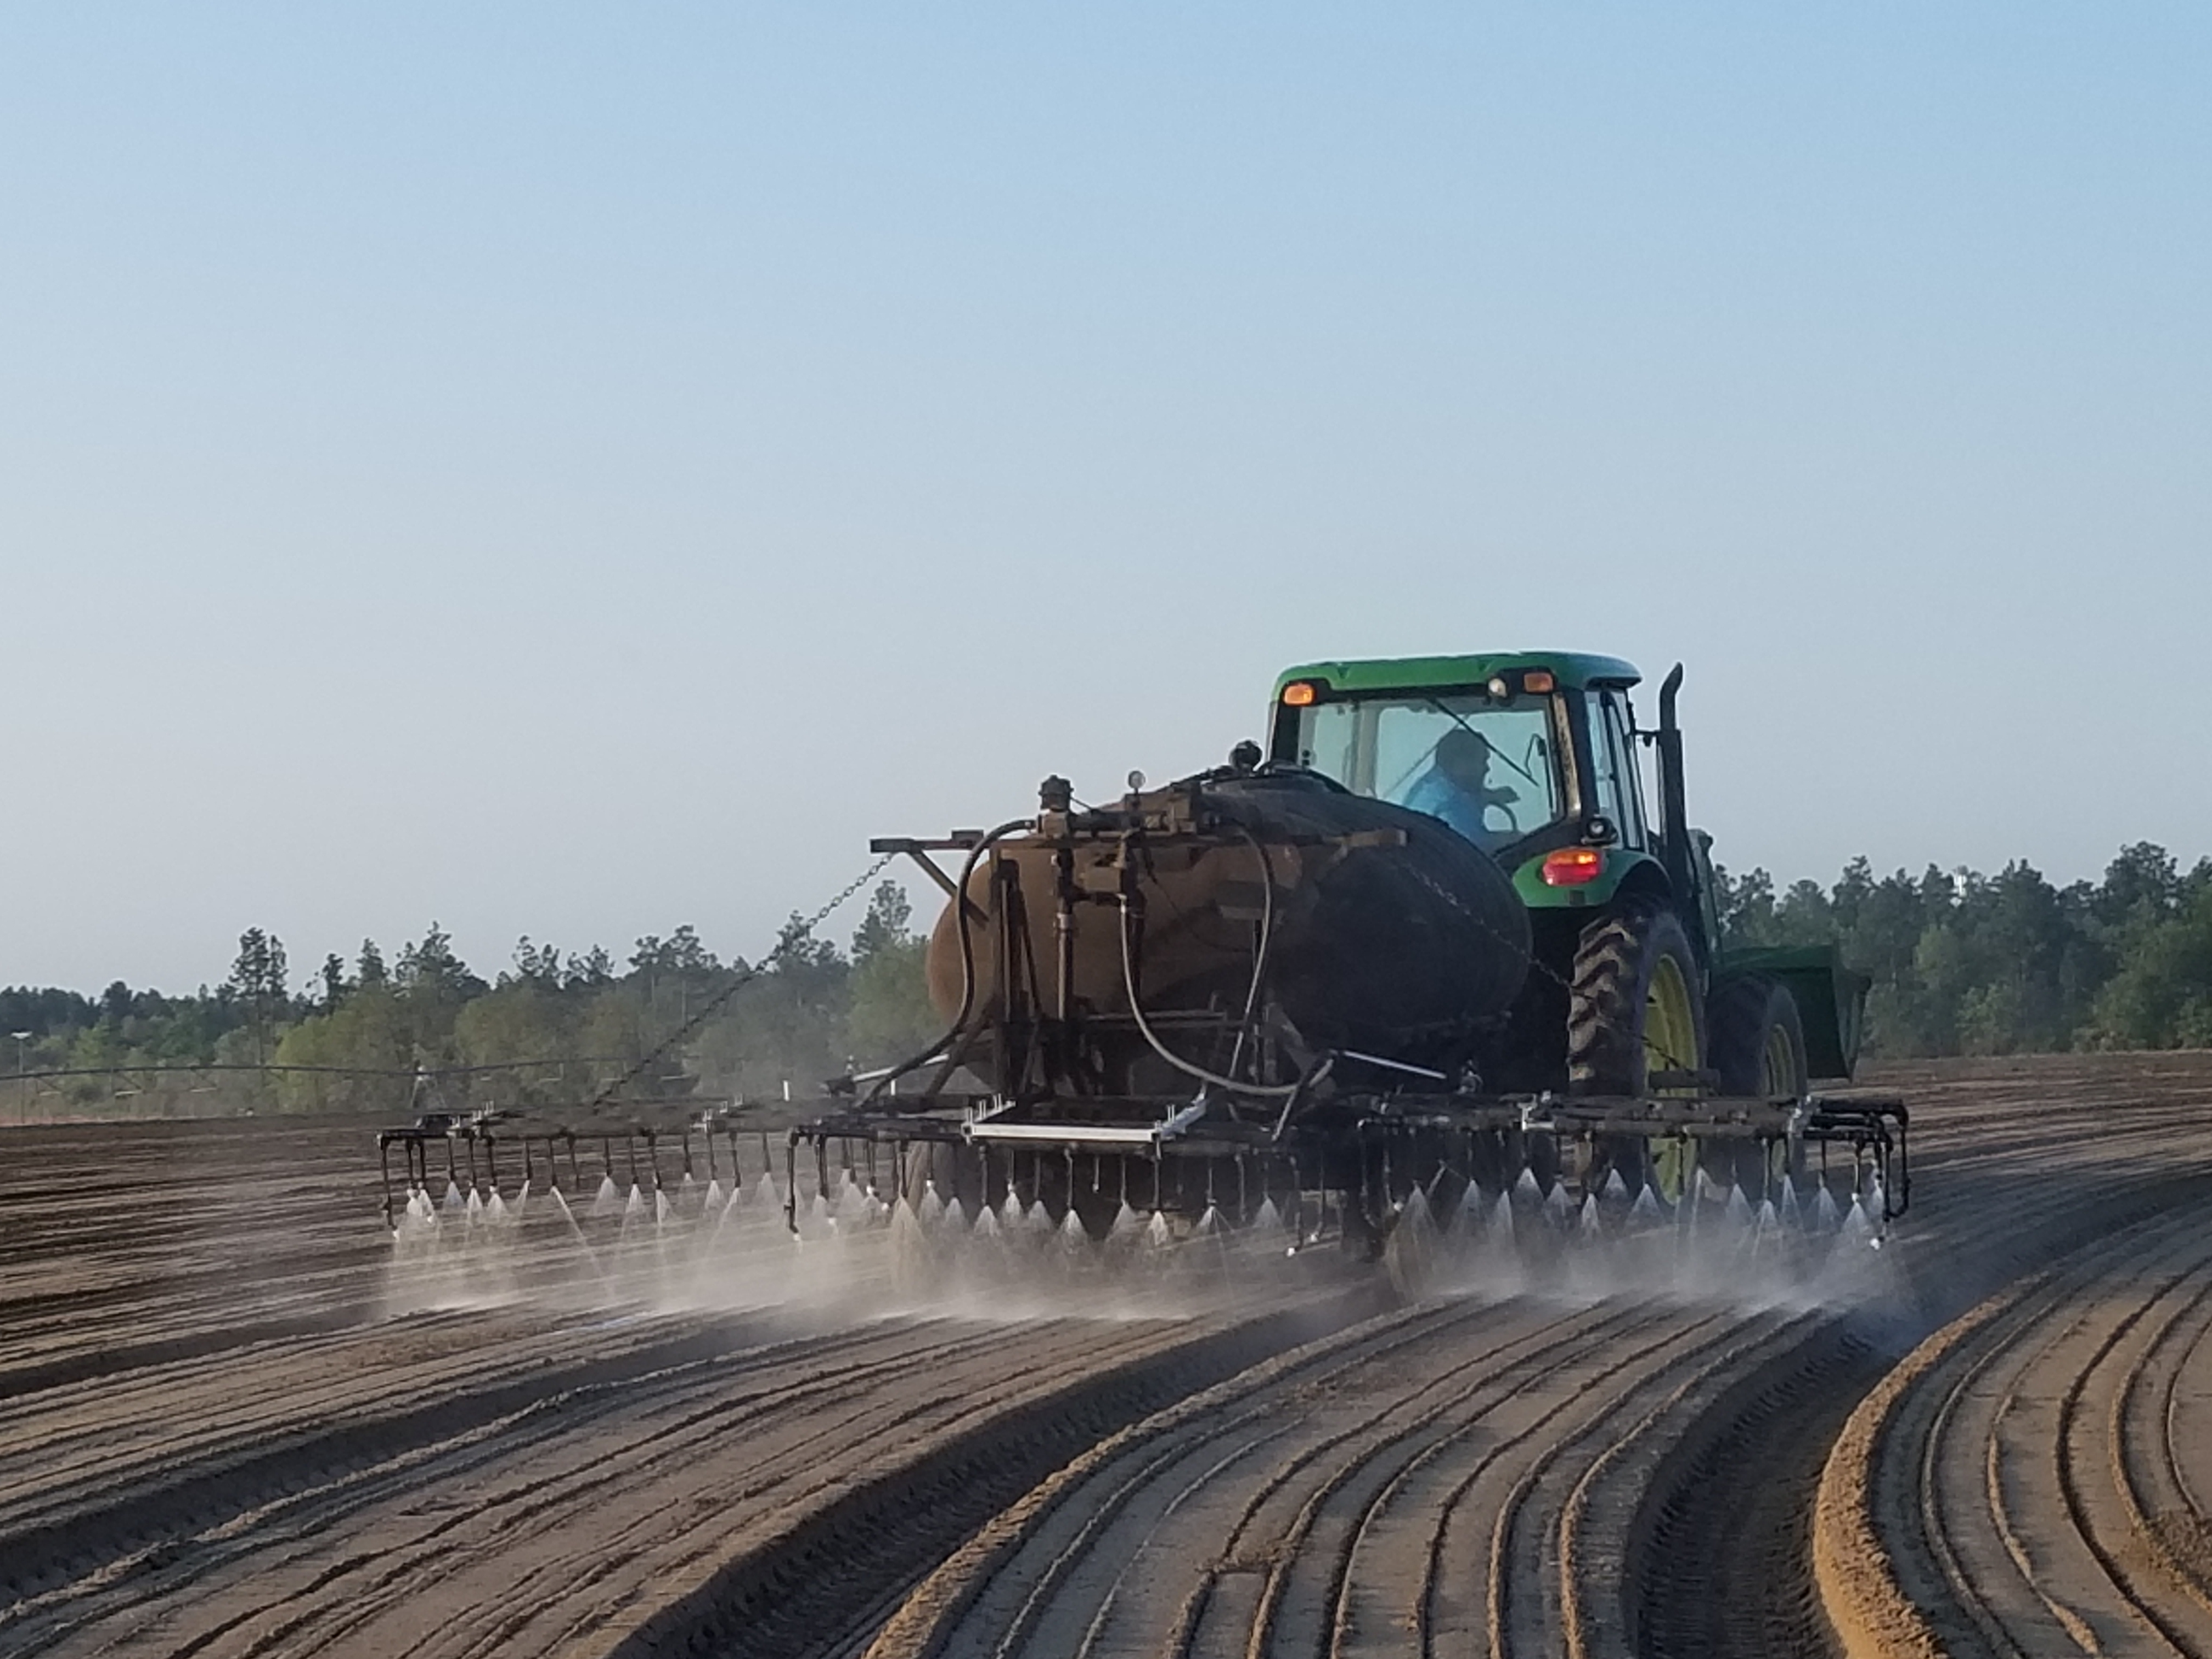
(1483, 765)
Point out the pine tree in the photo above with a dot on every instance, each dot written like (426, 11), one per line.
(890, 914)
(260, 980)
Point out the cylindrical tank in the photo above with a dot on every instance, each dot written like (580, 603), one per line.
(1392, 934)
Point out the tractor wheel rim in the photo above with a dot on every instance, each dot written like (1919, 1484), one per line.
(1670, 1028)
(1777, 1071)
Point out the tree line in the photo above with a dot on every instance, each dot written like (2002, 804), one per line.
(1967, 964)
(1962, 963)
(549, 1029)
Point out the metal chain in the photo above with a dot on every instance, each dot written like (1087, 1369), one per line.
(1544, 968)
(792, 936)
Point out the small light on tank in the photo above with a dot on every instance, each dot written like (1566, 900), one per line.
(1298, 694)
(1573, 866)
(1498, 688)
(1538, 679)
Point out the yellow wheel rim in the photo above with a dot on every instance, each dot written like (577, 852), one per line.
(1674, 1163)
(1670, 1021)
(1777, 1064)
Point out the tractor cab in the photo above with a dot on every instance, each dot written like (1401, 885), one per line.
(1533, 757)
(1530, 756)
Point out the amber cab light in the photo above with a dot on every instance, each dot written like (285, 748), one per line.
(1298, 694)
(1538, 680)
(1573, 866)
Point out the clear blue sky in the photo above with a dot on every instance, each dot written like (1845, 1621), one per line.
(576, 471)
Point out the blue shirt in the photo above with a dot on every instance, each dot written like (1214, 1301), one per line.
(1438, 795)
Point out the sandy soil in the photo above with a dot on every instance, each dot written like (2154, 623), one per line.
(233, 1427)
(2032, 1479)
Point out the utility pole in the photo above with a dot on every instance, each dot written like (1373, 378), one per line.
(22, 1072)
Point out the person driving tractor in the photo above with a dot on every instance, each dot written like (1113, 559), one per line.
(1457, 788)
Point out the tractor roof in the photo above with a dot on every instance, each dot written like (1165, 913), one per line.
(1576, 670)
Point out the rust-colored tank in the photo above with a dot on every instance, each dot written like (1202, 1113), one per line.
(1391, 934)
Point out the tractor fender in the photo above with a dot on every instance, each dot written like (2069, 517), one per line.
(1831, 1000)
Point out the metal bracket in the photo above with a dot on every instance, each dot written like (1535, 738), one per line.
(988, 1128)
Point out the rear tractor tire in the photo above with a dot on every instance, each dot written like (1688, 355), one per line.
(1635, 1007)
(1759, 1049)
(1634, 1010)
(1759, 1039)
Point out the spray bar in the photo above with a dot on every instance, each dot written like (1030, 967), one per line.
(1082, 1136)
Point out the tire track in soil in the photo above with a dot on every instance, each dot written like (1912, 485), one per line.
(127, 1246)
(1309, 1581)
(1567, 1612)
(230, 1483)
(1716, 1560)
(230, 1512)
(641, 1441)
(796, 1595)
(1722, 1559)
(1658, 1504)
(1726, 1557)
(1335, 1537)
(18, 1379)
(1197, 1437)
(88, 1532)
(2144, 1443)
(2005, 1502)
(1047, 1539)
(62, 1454)
(809, 1526)
(792, 1469)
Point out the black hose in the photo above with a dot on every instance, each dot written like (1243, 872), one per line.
(967, 963)
(1273, 1091)
(1259, 952)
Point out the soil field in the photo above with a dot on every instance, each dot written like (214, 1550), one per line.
(234, 1421)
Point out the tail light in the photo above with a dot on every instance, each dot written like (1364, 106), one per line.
(1573, 866)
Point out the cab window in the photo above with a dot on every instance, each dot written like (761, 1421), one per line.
(1615, 787)
(1485, 766)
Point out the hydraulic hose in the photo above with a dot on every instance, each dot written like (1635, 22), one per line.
(967, 962)
(1259, 951)
(1272, 1090)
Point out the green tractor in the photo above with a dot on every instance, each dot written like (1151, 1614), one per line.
(1430, 949)
(1633, 990)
